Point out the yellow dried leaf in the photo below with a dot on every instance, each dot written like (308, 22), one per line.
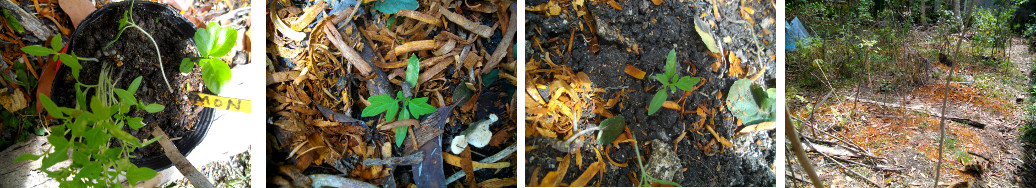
(735, 66)
(587, 174)
(634, 71)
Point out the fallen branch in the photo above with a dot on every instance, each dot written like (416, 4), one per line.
(408, 160)
(504, 45)
(491, 159)
(967, 121)
(196, 178)
(843, 166)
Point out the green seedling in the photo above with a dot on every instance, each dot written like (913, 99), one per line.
(751, 103)
(127, 22)
(608, 130)
(86, 132)
(411, 108)
(213, 42)
(670, 82)
(71, 60)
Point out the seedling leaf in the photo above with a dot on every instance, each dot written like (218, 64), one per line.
(749, 104)
(51, 107)
(186, 65)
(153, 108)
(610, 129)
(215, 73)
(413, 69)
(670, 64)
(687, 83)
(38, 50)
(657, 101)
(226, 38)
(26, 157)
(420, 106)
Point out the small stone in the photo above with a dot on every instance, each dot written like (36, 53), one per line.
(664, 164)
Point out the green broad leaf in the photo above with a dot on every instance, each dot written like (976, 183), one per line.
(405, 115)
(662, 78)
(97, 107)
(393, 6)
(96, 137)
(90, 171)
(134, 85)
(610, 129)
(706, 36)
(413, 70)
(13, 22)
(490, 77)
(80, 157)
(135, 122)
(687, 83)
(204, 38)
(55, 43)
(38, 51)
(745, 101)
(656, 102)
(380, 104)
(153, 108)
(126, 138)
(670, 64)
(57, 139)
(419, 107)
(135, 174)
(400, 135)
(125, 96)
(70, 61)
(51, 107)
(60, 154)
(225, 38)
(26, 157)
(186, 65)
(216, 73)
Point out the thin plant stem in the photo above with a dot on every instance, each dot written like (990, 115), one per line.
(160, 66)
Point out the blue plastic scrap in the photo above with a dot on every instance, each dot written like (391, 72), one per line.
(795, 33)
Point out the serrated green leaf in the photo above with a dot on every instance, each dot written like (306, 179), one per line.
(57, 139)
(670, 64)
(687, 83)
(55, 43)
(656, 102)
(135, 174)
(379, 104)
(216, 73)
(662, 78)
(26, 157)
(404, 115)
(400, 135)
(186, 65)
(153, 108)
(125, 96)
(610, 129)
(60, 154)
(51, 107)
(393, 6)
(420, 106)
(413, 70)
(38, 51)
(134, 85)
(70, 61)
(90, 171)
(125, 137)
(706, 37)
(95, 137)
(97, 107)
(135, 122)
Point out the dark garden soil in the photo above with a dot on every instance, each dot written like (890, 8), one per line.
(641, 35)
(134, 55)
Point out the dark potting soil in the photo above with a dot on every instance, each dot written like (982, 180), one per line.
(656, 30)
(134, 55)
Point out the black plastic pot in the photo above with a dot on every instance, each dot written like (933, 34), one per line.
(183, 27)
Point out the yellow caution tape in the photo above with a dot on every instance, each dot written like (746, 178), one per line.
(222, 103)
